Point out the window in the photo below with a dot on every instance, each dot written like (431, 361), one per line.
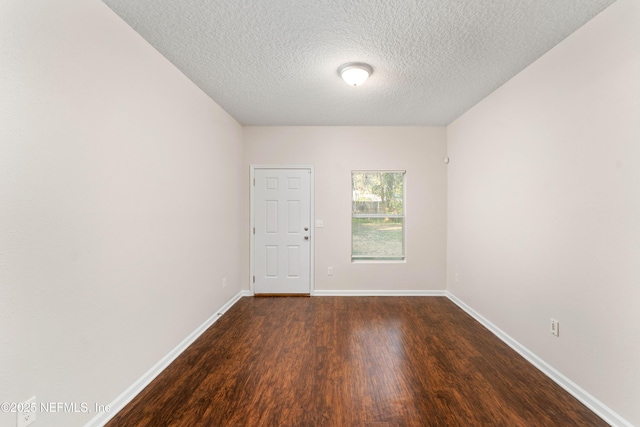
(377, 215)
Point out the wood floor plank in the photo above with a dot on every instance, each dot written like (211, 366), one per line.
(351, 361)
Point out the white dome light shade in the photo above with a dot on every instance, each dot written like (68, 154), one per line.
(355, 73)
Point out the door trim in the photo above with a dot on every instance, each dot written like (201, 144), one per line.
(312, 228)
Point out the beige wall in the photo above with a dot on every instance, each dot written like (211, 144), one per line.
(119, 206)
(335, 152)
(544, 207)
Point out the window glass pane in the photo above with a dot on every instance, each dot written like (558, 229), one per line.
(377, 238)
(377, 192)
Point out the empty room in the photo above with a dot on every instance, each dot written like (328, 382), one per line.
(337, 213)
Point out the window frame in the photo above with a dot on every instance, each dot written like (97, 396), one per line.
(403, 216)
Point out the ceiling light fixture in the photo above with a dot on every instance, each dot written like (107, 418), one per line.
(355, 73)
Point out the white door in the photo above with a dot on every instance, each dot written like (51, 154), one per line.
(282, 234)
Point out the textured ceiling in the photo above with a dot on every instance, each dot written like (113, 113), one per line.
(275, 62)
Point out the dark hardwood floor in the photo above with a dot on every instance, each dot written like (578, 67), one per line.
(351, 361)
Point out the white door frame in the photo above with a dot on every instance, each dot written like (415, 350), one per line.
(312, 227)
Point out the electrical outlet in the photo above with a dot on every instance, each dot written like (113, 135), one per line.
(224, 282)
(555, 327)
(27, 412)
(330, 271)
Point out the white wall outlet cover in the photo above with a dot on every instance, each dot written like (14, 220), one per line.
(319, 223)
(555, 327)
(27, 413)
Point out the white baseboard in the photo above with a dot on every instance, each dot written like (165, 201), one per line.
(599, 408)
(407, 293)
(127, 396)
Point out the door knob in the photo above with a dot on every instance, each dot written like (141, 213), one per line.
(306, 237)
(306, 229)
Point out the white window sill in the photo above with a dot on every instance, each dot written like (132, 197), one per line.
(379, 261)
